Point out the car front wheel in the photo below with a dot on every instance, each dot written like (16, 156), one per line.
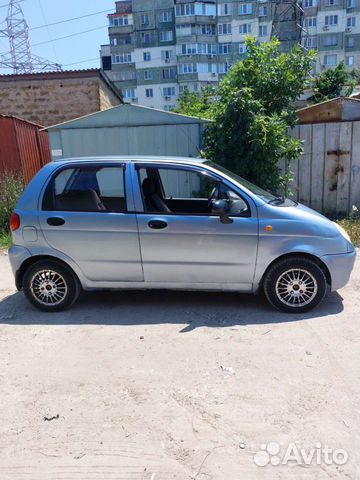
(50, 286)
(295, 285)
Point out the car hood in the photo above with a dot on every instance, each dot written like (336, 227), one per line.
(301, 221)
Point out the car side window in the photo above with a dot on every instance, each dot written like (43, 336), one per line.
(87, 189)
(186, 191)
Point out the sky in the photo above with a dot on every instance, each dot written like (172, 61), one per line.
(68, 52)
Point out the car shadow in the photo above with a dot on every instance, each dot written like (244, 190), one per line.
(191, 309)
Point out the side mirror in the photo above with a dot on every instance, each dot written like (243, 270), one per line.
(221, 208)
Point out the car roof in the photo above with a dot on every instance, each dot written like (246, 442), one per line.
(132, 159)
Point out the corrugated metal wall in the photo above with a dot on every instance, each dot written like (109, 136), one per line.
(177, 140)
(23, 148)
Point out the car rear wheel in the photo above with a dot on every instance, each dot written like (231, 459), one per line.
(295, 285)
(50, 286)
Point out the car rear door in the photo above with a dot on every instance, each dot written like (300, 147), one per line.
(187, 244)
(86, 215)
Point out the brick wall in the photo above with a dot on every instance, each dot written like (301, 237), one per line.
(54, 100)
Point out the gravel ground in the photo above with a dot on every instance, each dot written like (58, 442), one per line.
(164, 385)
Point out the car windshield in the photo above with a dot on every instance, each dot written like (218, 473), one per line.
(263, 194)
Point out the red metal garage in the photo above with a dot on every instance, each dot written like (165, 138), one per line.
(24, 149)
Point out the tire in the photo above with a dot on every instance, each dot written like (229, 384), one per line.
(50, 286)
(295, 285)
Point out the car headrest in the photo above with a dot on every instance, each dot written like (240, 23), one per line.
(79, 201)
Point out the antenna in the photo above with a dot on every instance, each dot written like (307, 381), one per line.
(19, 58)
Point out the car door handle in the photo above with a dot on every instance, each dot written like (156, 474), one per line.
(55, 221)
(157, 224)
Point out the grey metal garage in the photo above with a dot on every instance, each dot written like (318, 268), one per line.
(127, 130)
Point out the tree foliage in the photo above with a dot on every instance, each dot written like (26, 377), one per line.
(196, 104)
(252, 112)
(332, 83)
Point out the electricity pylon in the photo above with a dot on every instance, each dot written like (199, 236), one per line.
(19, 56)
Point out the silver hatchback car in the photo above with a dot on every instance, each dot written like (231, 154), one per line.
(169, 223)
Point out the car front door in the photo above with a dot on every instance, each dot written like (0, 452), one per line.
(181, 240)
(86, 215)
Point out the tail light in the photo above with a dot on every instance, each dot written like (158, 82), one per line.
(14, 221)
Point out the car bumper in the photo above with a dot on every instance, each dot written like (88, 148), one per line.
(340, 268)
(17, 255)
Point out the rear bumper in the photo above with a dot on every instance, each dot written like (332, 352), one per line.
(17, 256)
(340, 268)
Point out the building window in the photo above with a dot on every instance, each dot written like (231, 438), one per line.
(224, 67)
(207, 29)
(169, 91)
(330, 40)
(165, 17)
(349, 42)
(225, 48)
(350, 61)
(245, 9)
(310, 3)
(119, 21)
(166, 36)
(122, 58)
(146, 38)
(187, 68)
(310, 42)
(330, 60)
(166, 55)
(331, 20)
(351, 4)
(245, 28)
(242, 48)
(224, 29)
(330, 3)
(263, 11)
(124, 40)
(310, 22)
(225, 9)
(168, 73)
(149, 93)
(186, 29)
(129, 92)
(145, 19)
(147, 75)
(185, 9)
(147, 56)
(351, 22)
(263, 31)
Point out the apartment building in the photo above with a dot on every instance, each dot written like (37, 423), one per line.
(332, 27)
(158, 48)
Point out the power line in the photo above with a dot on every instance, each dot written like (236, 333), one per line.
(6, 5)
(82, 61)
(48, 31)
(71, 19)
(68, 36)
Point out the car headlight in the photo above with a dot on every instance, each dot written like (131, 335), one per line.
(342, 232)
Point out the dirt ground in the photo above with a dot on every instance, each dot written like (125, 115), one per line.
(162, 385)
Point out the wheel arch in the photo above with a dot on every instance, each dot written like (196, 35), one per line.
(308, 256)
(36, 258)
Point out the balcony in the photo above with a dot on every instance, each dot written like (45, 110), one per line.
(124, 6)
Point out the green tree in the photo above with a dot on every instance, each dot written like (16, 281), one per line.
(332, 83)
(196, 104)
(253, 111)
